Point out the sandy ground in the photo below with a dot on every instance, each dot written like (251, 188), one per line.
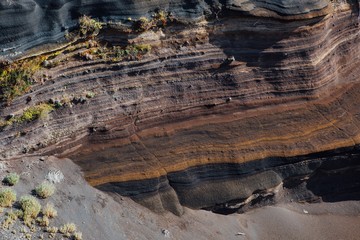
(103, 217)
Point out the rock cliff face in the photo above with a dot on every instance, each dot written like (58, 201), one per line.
(28, 23)
(182, 126)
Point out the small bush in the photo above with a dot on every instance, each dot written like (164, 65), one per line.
(19, 213)
(45, 190)
(43, 221)
(7, 197)
(52, 229)
(8, 221)
(11, 179)
(89, 27)
(12, 215)
(77, 236)
(30, 206)
(49, 210)
(39, 111)
(143, 24)
(68, 228)
(17, 78)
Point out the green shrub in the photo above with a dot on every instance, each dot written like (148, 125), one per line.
(7, 197)
(45, 190)
(49, 210)
(8, 221)
(143, 24)
(30, 206)
(43, 221)
(68, 228)
(78, 236)
(89, 27)
(19, 213)
(12, 215)
(52, 229)
(11, 179)
(39, 111)
(17, 78)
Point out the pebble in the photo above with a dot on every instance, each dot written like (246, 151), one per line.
(165, 232)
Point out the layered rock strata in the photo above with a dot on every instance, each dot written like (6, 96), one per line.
(28, 23)
(183, 126)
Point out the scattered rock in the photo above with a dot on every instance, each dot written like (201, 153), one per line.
(89, 56)
(90, 94)
(2, 166)
(229, 60)
(165, 232)
(82, 100)
(77, 100)
(10, 116)
(306, 212)
(240, 234)
(25, 150)
(58, 104)
(92, 129)
(46, 63)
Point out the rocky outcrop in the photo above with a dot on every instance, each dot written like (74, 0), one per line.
(290, 9)
(183, 126)
(28, 23)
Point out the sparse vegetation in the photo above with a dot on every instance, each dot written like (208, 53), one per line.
(49, 210)
(32, 225)
(116, 53)
(7, 197)
(12, 215)
(159, 19)
(35, 112)
(11, 179)
(143, 24)
(14, 82)
(52, 229)
(30, 206)
(17, 78)
(90, 94)
(19, 213)
(78, 235)
(45, 189)
(89, 27)
(67, 228)
(43, 221)
(39, 111)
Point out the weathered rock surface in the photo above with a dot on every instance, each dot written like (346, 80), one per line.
(180, 127)
(28, 23)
